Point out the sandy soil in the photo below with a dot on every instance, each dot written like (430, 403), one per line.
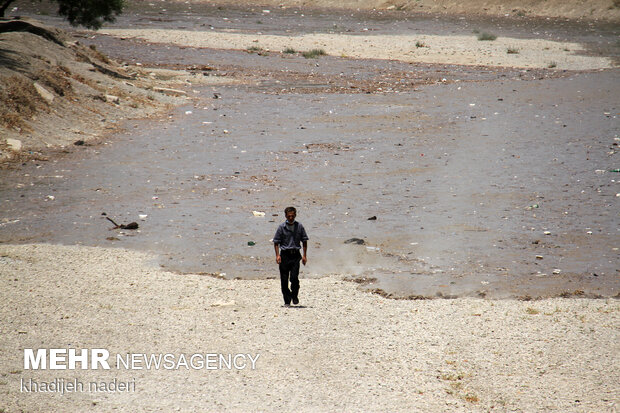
(462, 50)
(342, 349)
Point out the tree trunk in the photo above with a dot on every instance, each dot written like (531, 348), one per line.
(22, 26)
(4, 5)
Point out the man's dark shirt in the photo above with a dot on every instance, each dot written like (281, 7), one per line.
(288, 239)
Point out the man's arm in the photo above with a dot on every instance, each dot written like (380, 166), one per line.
(277, 248)
(304, 259)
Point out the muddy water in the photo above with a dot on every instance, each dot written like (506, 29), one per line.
(483, 185)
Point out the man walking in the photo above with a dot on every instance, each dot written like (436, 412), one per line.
(286, 242)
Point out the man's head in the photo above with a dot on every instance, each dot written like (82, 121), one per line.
(290, 213)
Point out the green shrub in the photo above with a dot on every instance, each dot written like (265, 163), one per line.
(486, 36)
(311, 54)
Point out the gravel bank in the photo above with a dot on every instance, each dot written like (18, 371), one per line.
(462, 50)
(342, 350)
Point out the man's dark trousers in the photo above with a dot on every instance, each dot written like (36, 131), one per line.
(289, 269)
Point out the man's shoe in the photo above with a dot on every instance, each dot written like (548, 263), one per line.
(295, 300)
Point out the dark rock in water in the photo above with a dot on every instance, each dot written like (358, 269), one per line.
(131, 225)
(372, 218)
(79, 143)
(357, 241)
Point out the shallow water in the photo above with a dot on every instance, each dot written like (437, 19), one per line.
(449, 170)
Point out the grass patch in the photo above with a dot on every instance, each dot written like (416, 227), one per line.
(512, 50)
(254, 49)
(19, 101)
(98, 54)
(552, 65)
(311, 54)
(419, 44)
(289, 50)
(532, 310)
(485, 36)
(56, 79)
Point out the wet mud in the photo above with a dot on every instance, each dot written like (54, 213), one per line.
(483, 181)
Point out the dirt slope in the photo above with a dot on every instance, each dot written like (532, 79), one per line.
(591, 9)
(55, 92)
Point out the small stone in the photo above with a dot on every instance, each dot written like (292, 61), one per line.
(14, 144)
(169, 92)
(112, 99)
(44, 93)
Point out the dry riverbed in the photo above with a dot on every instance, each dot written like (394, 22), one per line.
(489, 173)
(341, 349)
